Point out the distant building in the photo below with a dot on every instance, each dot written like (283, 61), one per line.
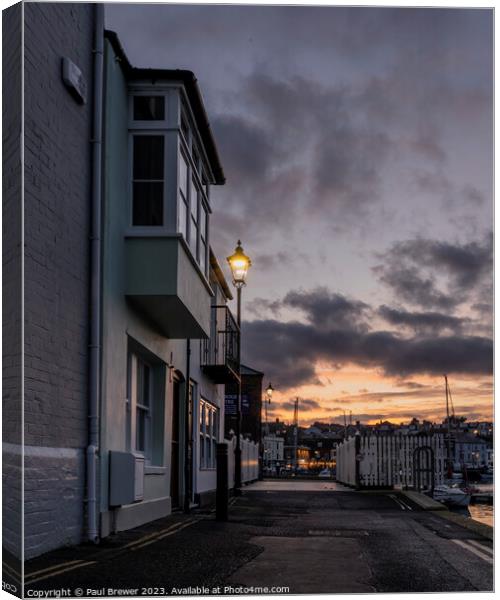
(251, 404)
(273, 452)
(470, 450)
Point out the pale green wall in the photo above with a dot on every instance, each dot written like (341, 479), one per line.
(121, 320)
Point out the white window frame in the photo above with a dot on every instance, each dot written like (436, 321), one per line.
(208, 435)
(197, 173)
(133, 407)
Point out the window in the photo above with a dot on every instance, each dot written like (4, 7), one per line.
(203, 238)
(139, 405)
(148, 180)
(209, 432)
(149, 108)
(145, 405)
(193, 235)
(183, 197)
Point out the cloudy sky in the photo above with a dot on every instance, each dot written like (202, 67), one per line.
(357, 147)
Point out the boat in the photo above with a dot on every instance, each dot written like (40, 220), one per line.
(452, 495)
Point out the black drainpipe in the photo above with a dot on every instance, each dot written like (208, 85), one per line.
(187, 434)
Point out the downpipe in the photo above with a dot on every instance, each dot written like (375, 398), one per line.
(95, 279)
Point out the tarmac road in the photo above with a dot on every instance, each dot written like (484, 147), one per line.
(278, 537)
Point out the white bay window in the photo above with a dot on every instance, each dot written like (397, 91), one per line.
(159, 137)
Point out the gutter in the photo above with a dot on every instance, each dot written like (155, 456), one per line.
(95, 279)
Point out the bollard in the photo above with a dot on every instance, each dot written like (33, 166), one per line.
(222, 492)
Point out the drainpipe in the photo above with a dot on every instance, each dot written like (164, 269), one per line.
(95, 279)
(187, 433)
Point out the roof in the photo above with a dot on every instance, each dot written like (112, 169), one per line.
(244, 370)
(214, 263)
(190, 83)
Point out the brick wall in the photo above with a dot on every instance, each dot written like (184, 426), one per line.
(57, 219)
(11, 298)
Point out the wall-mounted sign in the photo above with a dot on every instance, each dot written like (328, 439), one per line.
(231, 403)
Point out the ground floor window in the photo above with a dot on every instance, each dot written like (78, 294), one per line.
(209, 432)
(145, 405)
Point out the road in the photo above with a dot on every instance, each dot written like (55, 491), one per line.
(310, 538)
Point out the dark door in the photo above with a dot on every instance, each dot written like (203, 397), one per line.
(174, 478)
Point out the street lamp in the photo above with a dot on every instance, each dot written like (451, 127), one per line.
(267, 401)
(239, 263)
(269, 395)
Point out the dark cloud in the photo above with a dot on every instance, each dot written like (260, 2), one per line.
(422, 321)
(288, 351)
(408, 283)
(320, 305)
(437, 274)
(305, 405)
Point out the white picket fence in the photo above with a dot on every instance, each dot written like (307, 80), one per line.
(249, 460)
(387, 460)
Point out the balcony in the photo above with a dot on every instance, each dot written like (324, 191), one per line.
(219, 353)
(167, 287)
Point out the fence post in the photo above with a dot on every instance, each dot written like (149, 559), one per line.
(357, 459)
(222, 491)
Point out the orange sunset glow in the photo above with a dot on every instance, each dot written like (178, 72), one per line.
(371, 396)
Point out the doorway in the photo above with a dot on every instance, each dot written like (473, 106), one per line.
(176, 445)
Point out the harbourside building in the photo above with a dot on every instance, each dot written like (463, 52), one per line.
(163, 294)
(129, 342)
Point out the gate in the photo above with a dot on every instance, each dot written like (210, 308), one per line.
(423, 468)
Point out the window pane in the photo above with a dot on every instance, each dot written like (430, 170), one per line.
(203, 222)
(183, 175)
(148, 203)
(203, 257)
(182, 224)
(149, 108)
(184, 127)
(140, 426)
(194, 201)
(193, 239)
(196, 158)
(148, 156)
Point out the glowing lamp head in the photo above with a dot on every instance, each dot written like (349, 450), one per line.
(239, 263)
(269, 392)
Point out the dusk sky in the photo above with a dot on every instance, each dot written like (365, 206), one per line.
(357, 147)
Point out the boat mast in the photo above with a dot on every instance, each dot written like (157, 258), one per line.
(448, 445)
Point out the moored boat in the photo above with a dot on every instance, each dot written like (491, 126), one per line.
(451, 495)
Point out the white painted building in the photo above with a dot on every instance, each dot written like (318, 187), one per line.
(274, 451)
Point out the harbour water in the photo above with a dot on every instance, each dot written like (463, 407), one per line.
(483, 513)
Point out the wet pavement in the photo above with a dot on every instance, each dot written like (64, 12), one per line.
(280, 538)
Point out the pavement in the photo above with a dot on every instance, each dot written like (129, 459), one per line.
(282, 537)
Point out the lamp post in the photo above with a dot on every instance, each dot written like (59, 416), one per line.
(239, 263)
(267, 401)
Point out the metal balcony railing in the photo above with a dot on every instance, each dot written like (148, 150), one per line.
(219, 353)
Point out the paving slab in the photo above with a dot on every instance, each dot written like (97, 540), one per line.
(307, 565)
(296, 485)
(424, 501)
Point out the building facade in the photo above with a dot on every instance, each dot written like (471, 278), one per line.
(162, 344)
(164, 297)
(273, 456)
(57, 189)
